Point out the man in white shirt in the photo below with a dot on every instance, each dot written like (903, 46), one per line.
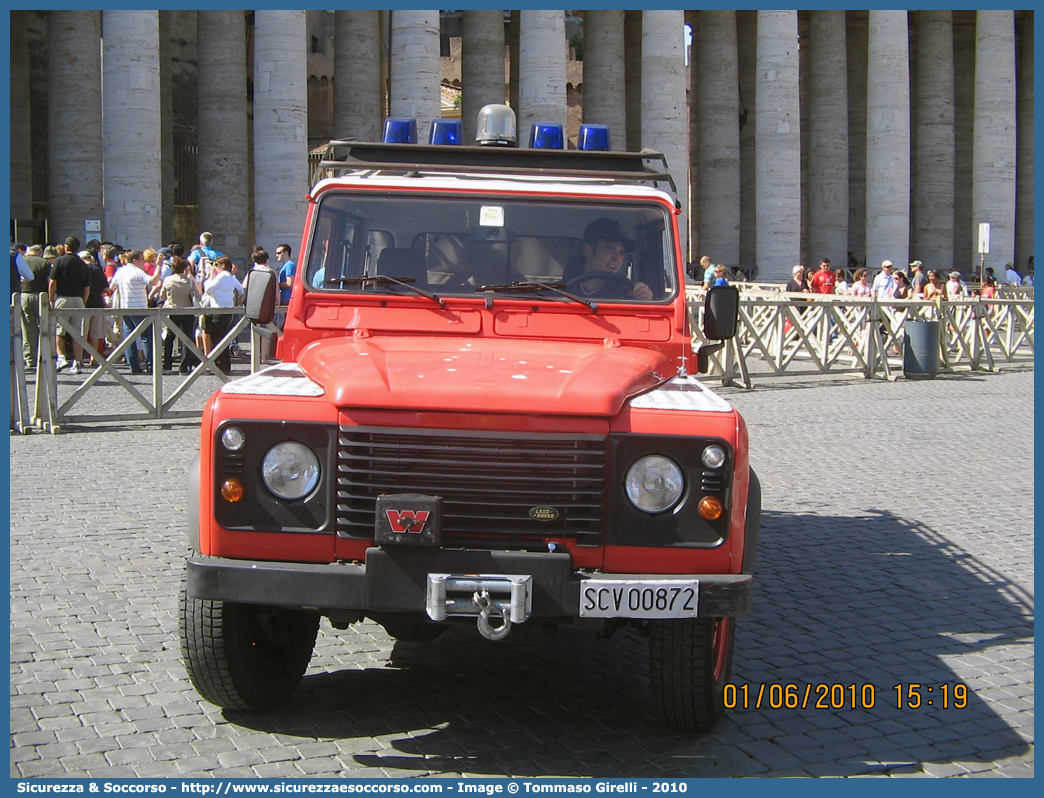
(1012, 277)
(884, 283)
(222, 291)
(130, 285)
(955, 286)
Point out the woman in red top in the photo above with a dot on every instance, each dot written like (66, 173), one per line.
(989, 288)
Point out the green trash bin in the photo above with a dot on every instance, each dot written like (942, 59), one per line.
(920, 350)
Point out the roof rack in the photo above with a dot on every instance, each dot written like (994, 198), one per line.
(343, 157)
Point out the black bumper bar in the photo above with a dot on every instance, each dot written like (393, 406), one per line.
(397, 581)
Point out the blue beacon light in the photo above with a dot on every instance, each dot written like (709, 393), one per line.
(593, 137)
(446, 131)
(400, 130)
(546, 136)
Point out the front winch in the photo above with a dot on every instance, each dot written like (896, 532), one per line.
(509, 596)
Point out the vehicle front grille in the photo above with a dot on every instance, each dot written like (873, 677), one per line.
(489, 483)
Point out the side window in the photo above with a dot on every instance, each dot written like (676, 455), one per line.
(332, 254)
(318, 256)
(650, 263)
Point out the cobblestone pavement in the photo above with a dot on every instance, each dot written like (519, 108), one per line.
(897, 549)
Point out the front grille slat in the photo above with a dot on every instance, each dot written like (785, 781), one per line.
(488, 482)
(510, 477)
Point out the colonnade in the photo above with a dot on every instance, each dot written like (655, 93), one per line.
(795, 135)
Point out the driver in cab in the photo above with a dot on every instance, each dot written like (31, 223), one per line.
(605, 252)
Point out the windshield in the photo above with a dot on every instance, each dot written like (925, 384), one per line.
(454, 246)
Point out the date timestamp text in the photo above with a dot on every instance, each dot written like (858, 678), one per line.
(790, 695)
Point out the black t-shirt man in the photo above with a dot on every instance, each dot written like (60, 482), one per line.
(70, 276)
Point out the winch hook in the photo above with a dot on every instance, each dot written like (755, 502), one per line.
(486, 608)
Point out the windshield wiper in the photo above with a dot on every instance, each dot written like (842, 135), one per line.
(533, 287)
(384, 279)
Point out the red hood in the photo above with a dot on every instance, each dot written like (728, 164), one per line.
(482, 375)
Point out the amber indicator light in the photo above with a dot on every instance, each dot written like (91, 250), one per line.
(711, 508)
(232, 490)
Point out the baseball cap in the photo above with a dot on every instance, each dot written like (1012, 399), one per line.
(885, 263)
(85, 254)
(955, 273)
(608, 230)
(916, 264)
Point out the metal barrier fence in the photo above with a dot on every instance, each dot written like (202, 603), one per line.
(823, 334)
(20, 419)
(778, 333)
(47, 411)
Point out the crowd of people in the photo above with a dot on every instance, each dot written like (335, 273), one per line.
(888, 283)
(104, 275)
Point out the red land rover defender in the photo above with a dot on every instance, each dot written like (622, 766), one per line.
(483, 416)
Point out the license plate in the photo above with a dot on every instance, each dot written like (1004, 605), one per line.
(649, 598)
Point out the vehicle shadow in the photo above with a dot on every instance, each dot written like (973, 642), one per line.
(867, 600)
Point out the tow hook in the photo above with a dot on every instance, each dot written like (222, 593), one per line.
(498, 600)
(486, 609)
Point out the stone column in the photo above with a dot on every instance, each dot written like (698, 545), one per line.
(747, 48)
(605, 86)
(828, 139)
(513, 39)
(633, 77)
(280, 129)
(541, 70)
(183, 116)
(964, 228)
(1024, 208)
(664, 104)
(416, 72)
(386, 21)
(21, 151)
(778, 146)
(133, 139)
(357, 75)
(167, 177)
(994, 146)
(224, 132)
(717, 128)
(933, 134)
(888, 139)
(481, 65)
(804, 91)
(857, 22)
(75, 144)
(692, 82)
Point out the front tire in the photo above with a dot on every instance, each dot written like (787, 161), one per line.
(690, 662)
(245, 656)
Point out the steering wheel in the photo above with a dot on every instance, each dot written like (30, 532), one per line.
(619, 279)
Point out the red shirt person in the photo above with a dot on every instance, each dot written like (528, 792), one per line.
(823, 281)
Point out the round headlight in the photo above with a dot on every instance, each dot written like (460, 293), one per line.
(654, 484)
(290, 470)
(714, 457)
(233, 439)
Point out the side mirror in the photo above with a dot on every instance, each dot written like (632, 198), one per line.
(720, 312)
(260, 301)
